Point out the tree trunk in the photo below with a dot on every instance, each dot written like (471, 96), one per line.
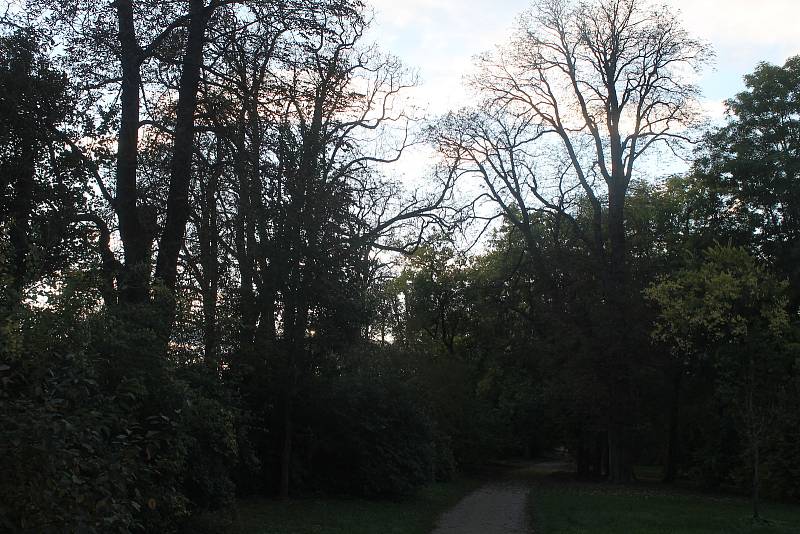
(618, 345)
(181, 172)
(756, 481)
(620, 468)
(245, 247)
(671, 464)
(209, 249)
(582, 457)
(754, 434)
(286, 452)
(134, 283)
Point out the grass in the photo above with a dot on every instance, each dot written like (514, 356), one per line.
(416, 515)
(601, 509)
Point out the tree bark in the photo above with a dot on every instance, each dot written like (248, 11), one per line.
(671, 464)
(181, 170)
(618, 346)
(134, 283)
(244, 245)
(756, 481)
(286, 452)
(209, 250)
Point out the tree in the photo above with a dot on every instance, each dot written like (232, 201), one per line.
(583, 91)
(42, 186)
(289, 108)
(731, 310)
(753, 165)
(238, 206)
(433, 285)
(152, 55)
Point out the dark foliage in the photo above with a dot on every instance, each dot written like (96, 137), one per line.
(372, 439)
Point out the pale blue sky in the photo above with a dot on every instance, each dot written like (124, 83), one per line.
(439, 38)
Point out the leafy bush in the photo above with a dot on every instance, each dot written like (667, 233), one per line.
(374, 439)
(444, 459)
(74, 460)
(212, 454)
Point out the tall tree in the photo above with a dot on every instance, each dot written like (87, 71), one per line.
(289, 106)
(731, 310)
(41, 186)
(752, 164)
(583, 91)
(147, 53)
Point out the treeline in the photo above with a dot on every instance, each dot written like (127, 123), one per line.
(192, 206)
(705, 353)
(197, 296)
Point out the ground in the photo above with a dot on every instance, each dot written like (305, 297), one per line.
(415, 515)
(497, 508)
(532, 498)
(574, 508)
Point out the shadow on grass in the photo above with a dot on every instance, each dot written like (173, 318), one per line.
(560, 503)
(329, 515)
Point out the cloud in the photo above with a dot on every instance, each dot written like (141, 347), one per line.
(440, 39)
(714, 110)
(740, 23)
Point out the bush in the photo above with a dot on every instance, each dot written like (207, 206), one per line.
(374, 440)
(212, 454)
(444, 459)
(76, 458)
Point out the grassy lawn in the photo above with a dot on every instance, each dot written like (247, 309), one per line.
(598, 509)
(415, 515)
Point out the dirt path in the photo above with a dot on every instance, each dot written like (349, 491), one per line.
(497, 508)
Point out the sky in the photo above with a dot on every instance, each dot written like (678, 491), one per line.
(439, 38)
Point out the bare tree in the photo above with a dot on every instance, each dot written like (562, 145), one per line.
(582, 92)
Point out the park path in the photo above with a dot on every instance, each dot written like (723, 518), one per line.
(497, 508)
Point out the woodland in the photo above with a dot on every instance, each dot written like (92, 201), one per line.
(213, 284)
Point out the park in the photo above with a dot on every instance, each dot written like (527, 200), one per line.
(353, 267)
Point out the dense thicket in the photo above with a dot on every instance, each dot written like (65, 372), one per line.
(198, 241)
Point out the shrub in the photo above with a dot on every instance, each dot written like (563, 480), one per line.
(76, 458)
(212, 453)
(374, 439)
(73, 459)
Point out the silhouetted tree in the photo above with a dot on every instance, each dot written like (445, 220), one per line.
(581, 93)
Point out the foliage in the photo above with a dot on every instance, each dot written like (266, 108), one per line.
(201, 293)
(373, 438)
(729, 298)
(42, 187)
(753, 163)
(730, 310)
(75, 460)
(82, 456)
